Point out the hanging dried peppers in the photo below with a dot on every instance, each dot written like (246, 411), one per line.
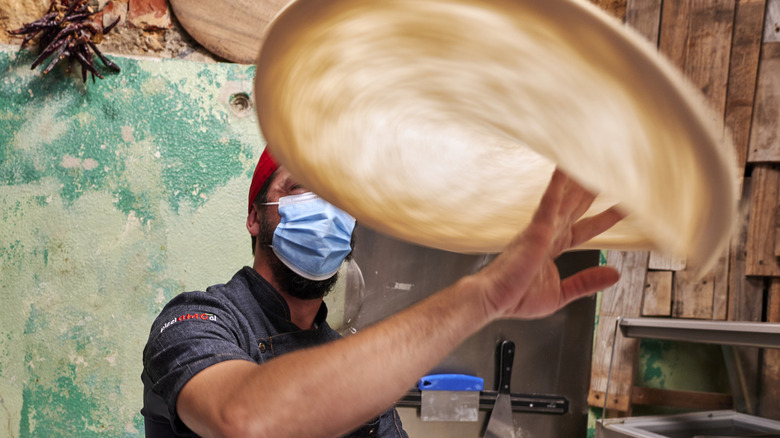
(68, 31)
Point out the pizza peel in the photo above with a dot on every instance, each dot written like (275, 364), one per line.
(230, 29)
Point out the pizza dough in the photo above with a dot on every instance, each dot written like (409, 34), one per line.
(440, 122)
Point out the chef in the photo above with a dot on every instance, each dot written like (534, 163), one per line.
(255, 357)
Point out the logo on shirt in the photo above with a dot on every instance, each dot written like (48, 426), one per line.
(198, 316)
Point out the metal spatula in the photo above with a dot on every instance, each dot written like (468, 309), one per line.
(501, 424)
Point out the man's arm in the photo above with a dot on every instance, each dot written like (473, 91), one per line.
(329, 390)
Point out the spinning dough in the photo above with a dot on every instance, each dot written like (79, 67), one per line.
(440, 122)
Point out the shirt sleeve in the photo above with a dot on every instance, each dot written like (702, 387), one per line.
(194, 331)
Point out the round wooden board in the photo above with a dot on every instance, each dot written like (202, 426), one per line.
(230, 29)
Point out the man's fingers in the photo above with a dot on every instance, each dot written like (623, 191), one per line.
(577, 201)
(591, 227)
(564, 199)
(588, 282)
(551, 199)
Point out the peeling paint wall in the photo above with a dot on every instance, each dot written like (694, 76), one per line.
(114, 197)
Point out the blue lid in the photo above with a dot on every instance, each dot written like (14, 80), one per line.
(451, 382)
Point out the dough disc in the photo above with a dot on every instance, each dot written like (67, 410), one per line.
(440, 122)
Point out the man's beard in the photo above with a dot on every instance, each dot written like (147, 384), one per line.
(290, 282)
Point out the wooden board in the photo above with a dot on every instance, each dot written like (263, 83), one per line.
(644, 16)
(696, 36)
(230, 29)
(720, 293)
(616, 8)
(622, 299)
(663, 262)
(746, 294)
(770, 369)
(765, 133)
(692, 295)
(763, 227)
(772, 24)
(681, 399)
(743, 72)
(745, 303)
(657, 299)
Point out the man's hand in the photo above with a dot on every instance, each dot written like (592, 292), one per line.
(523, 282)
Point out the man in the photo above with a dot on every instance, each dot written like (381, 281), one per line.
(229, 372)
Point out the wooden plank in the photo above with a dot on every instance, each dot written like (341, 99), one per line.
(696, 36)
(765, 199)
(707, 401)
(746, 294)
(622, 299)
(702, 296)
(746, 303)
(772, 23)
(720, 293)
(743, 72)
(657, 300)
(692, 295)
(663, 262)
(770, 369)
(765, 131)
(616, 8)
(644, 16)
(777, 231)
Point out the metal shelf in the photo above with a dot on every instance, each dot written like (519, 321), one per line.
(748, 334)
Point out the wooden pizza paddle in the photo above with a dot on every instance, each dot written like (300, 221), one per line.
(230, 29)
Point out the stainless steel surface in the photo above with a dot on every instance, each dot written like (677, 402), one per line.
(553, 354)
(748, 334)
(501, 424)
(449, 406)
(699, 424)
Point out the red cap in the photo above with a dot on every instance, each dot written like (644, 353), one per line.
(265, 167)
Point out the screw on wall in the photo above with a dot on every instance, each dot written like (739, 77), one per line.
(241, 104)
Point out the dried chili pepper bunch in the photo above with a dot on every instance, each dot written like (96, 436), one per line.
(67, 31)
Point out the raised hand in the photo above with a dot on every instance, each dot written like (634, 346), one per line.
(523, 282)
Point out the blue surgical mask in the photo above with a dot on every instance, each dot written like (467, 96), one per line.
(313, 237)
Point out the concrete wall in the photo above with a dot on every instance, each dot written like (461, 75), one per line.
(114, 197)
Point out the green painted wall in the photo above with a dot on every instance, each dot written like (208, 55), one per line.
(114, 197)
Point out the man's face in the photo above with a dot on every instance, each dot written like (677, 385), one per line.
(299, 287)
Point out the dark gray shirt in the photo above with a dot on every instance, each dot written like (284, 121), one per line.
(244, 319)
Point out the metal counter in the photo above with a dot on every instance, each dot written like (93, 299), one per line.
(553, 354)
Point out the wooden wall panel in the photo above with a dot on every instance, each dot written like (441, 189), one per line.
(657, 300)
(664, 262)
(762, 229)
(696, 36)
(770, 369)
(692, 297)
(616, 8)
(724, 48)
(622, 299)
(746, 294)
(765, 130)
(743, 72)
(720, 294)
(772, 26)
(746, 303)
(644, 16)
